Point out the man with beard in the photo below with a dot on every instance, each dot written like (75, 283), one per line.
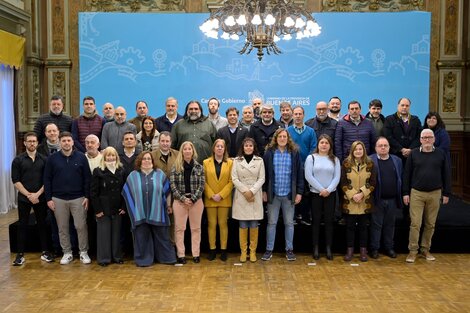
(263, 130)
(167, 120)
(214, 116)
(376, 117)
(334, 107)
(51, 144)
(256, 104)
(233, 134)
(322, 123)
(248, 117)
(27, 172)
(286, 119)
(141, 110)
(56, 116)
(113, 132)
(108, 112)
(67, 190)
(194, 127)
(86, 124)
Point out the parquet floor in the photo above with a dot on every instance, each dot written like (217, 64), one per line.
(382, 285)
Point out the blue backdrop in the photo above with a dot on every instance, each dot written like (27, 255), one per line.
(360, 56)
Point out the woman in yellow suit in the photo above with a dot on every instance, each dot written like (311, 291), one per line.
(218, 196)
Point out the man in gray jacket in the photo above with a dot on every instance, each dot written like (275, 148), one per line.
(113, 132)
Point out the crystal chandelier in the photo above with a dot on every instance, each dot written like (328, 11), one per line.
(262, 22)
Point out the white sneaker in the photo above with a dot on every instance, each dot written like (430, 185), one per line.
(66, 259)
(84, 258)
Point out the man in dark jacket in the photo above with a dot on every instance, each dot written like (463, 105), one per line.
(322, 123)
(263, 130)
(353, 127)
(233, 134)
(402, 130)
(89, 123)
(375, 116)
(167, 120)
(56, 116)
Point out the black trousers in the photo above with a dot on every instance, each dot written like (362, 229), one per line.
(323, 206)
(356, 222)
(40, 212)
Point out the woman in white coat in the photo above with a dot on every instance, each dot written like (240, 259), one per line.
(247, 208)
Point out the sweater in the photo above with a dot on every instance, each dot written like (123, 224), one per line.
(84, 126)
(113, 133)
(307, 140)
(321, 173)
(63, 122)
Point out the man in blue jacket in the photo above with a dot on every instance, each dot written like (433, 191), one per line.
(67, 188)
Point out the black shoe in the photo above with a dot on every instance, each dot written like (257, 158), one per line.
(196, 259)
(374, 254)
(119, 261)
(19, 260)
(103, 264)
(181, 260)
(329, 255)
(223, 255)
(316, 255)
(391, 253)
(212, 255)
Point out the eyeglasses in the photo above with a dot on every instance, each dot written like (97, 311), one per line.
(427, 137)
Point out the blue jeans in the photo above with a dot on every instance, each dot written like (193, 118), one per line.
(383, 223)
(288, 210)
(248, 224)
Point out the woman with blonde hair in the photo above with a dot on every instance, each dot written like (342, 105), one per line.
(187, 187)
(218, 196)
(358, 178)
(105, 195)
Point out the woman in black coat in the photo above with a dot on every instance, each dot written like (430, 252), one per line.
(106, 187)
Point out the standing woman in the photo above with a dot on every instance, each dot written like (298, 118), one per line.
(147, 138)
(357, 182)
(218, 196)
(323, 172)
(147, 196)
(247, 208)
(187, 186)
(434, 122)
(105, 194)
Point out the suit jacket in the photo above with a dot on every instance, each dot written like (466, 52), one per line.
(222, 185)
(248, 176)
(224, 133)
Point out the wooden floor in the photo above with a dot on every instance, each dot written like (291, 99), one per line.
(382, 285)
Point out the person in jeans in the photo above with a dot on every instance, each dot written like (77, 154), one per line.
(27, 170)
(67, 188)
(283, 189)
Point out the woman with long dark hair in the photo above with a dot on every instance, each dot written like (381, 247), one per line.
(147, 138)
(434, 122)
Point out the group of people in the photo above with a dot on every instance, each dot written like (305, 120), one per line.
(140, 180)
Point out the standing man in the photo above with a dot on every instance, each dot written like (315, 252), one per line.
(108, 112)
(256, 104)
(334, 108)
(194, 127)
(67, 189)
(263, 130)
(141, 109)
(214, 116)
(306, 140)
(51, 144)
(248, 117)
(286, 119)
(233, 134)
(87, 123)
(56, 116)
(167, 120)
(27, 172)
(425, 180)
(352, 127)
(113, 132)
(387, 198)
(282, 189)
(375, 116)
(402, 130)
(322, 123)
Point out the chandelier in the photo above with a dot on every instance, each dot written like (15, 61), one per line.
(262, 22)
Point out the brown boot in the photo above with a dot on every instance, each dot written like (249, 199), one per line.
(243, 237)
(349, 254)
(253, 243)
(363, 256)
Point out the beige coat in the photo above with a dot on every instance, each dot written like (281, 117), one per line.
(355, 180)
(247, 176)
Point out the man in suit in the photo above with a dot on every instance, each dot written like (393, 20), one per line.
(233, 134)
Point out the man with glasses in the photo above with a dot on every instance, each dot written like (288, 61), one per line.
(387, 199)
(402, 130)
(353, 126)
(27, 172)
(322, 123)
(263, 130)
(141, 110)
(113, 132)
(425, 180)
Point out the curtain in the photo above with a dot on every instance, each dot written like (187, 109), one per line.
(7, 135)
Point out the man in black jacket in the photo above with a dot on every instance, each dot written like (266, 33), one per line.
(263, 130)
(233, 134)
(56, 116)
